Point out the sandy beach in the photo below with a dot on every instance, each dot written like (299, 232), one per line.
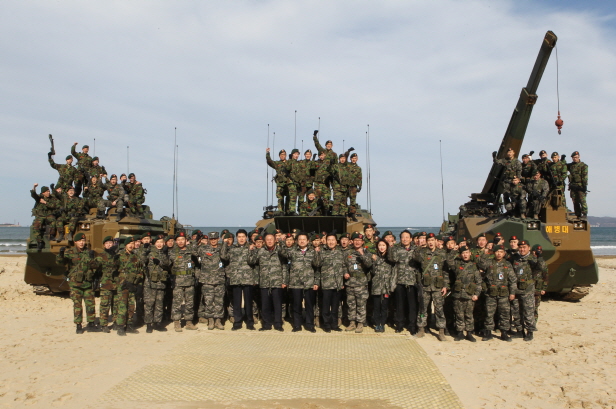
(570, 364)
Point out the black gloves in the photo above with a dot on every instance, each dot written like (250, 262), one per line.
(156, 261)
(315, 132)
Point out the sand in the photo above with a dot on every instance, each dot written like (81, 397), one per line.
(570, 364)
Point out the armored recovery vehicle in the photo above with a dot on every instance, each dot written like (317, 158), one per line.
(565, 238)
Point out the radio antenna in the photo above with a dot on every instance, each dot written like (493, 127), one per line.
(173, 185)
(94, 146)
(267, 173)
(295, 138)
(319, 128)
(442, 180)
(127, 162)
(369, 190)
(273, 150)
(177, 161)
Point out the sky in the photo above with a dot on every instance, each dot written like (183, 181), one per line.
(225, 77)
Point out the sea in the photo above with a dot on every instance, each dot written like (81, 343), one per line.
(602, 239)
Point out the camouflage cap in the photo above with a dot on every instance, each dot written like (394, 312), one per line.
(79, 236)
(69, 157)
(525, 156)
(129, 239)
(308, 151)
(462, 249)
(341, 156)
(69, 187)
(212, 235)
(575, 153)
(310, 192)
(130, 175)
(113, 176)
(555, 154)
(85, 146)
(357, 235)
(107, 238)
(328, 142)
(95, 158)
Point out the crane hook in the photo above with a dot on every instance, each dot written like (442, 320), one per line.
(559, 123)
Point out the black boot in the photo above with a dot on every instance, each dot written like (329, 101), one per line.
(79, 329)
(92, 327)
(459, 336)
(487, 335)
(160, 327)
(529, 336)
(149, 328)
(40, 245)
(505, 337)
(470, 337)
(106, 329)
(131, 330)
(100, 214)
(352, 217)
(121, 332)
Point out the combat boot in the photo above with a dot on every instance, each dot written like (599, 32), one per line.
(121, 331)
(517, 334)
(92, 327)
(202, 320)
(106, 329)
(79, 329)
(352, 217)
(177, 325)
(441, 335)
(131, 330)
(459, 336)
(160, 327)
(487, 335)
(528, 336)
(190, 325)
(421, 332)
(210, 323)
(218, 324)
(351, 326)
(40, 245)
(360, 328)
(149, 328)
(100, 214)
(470, 337)
(118, 217)
(505, 337)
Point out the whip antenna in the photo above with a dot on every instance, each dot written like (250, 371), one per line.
(295, 138)
(369, 192)
(127, 162)
(273, 149)
(173, 184)
(559, 122)
(177, 160)
(267, 173)
(94, 147)
(442, 183)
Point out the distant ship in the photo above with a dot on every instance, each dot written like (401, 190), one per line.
(9, 225)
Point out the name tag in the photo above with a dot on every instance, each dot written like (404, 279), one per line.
(435, 266)
(501, 276)
(521, 271)
(189, 265)
(220, 265)
(354, 266)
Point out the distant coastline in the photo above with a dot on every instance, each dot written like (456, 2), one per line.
(10, 225)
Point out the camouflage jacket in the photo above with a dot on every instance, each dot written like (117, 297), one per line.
(405, 267)
(559, 173)
(309, 206)
(538, 190)
(513, 167)
(137, 194)
(44, 209)
(330, 155)
(358, 266)
(339, 176)
(282, 174)
(540, 275)
(578, 174)
(528, 171)
(369, 245)
(108, 262)
(130, 269)
(355, 176)
(382, 276)
(97, 171)
(322, 171)
(303, 264)
(466, 279)
(543, 165)
(71, 207)
(517, 192)
(302, 172)
(212, 270)
(157, 273)
(182, 266)
(67, 174)
(434, 275)
(81, 266)
(93, 193)
(114, 192)
(523, 266)
(272, 266)
(84, 161)
(332, 265)
(499, 277)
(295, 170)
(238, 270)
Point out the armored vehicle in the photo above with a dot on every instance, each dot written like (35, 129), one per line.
(564, 237)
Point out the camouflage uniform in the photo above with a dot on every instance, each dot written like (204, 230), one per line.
(500, 282)
(115, 193)
(537, 193)
(517, 197)
(44, 214)
(528, 171)
(129, 278)
(294, 169)
(302, 278)
(354, 185)
(358, 267)
(322, 181)
(184, 283)
(66, 174)
(136, 198)
(559, 174)
(339, 179)
(93, 195)
(578, 184)
(300, 173)
(71, 210)
(157, 273)
(467, 283)
(108, 261)
(434, 278)
(272, 275)
(84, 163)
(309, 206)
(332, 263)
(241, 279)
(330, 155)
(81, 266)
(523, 267)
(512, 167)
(540, 275)
(543, 165)
(408, 292)
(212, 278)
(282, 181)
(382, 286)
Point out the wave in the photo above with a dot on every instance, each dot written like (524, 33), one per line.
(13, 244)
(603, 247)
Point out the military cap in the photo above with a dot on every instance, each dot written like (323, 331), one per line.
(180, 234)
(281, 152)
(289, 236)
(423, 233)
(324, 233)
(542, 152)
(329, 141)
(79, 236)
(575, 153)
(310, 192)
(160, 237)
(44, 189)
(169, 237)
(137, 237)
(368, 226)
(439, 237)
(513, 238)
(212, 235)
(347, 235)
(431, 236)
(307, 151)
(113, 176)
(69, 187)
(353, 155)
(228, 236)
(499, 235)
(123, 174)
(129, 239)
(341, 155)
(315, 236)
(525, 156)
(241, 231)
(107, 238)
(95, 158)
(537, 247)
(498, 247)
(259, 238)
(510, 149)
(356, 235)
(278, 231)
(295, 231)
(197, 232)
(481, 235)
(523, 243)
(462, 249)
(69, 157)
(461, 241)
(147, 233)
(130, 175)
(225, 231)
(85, 146)
(294, 151)
(388, 233)
(555, 154)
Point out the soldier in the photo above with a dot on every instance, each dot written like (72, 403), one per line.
(435, 280)
(303, 281)
(183, 282)
(517, 196)
(322, 181)
(543, 165)
(273, 278)
(130, 277)
(212, 279)
(339, 178)
(525, 264)
(512, 167)
(538, 191)
(115, 198)
(540, 275)
(466, 291)
(331, 269)
(282, 178)
(513, 246)
(310, 207)
(95, 169)
(241, 279)
(92, 194)
(71, 209)
(66, 173)
(136, 198)
(501, 285)
(44, 214)
(81, 266)
(84, 162)
(302, 176)
(370, 239)
(481, 248)
(528, 170)
(108, 261)
(294, 170)
(157, 273)
(408, 292)
(330, 155)
(358, 265)
(578, 184)
(382, 285)
(389, 237)
(354, 186)
(558, 172)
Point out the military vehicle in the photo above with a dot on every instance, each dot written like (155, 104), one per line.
(564, 237)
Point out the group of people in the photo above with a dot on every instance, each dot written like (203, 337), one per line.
(59, 207)
(308, 184)
(526, 184)
(318, 279)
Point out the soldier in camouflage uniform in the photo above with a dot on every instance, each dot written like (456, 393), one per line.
(357, 275)
(81, 265)
(66, 173)
(524, 264)
(558, 172)
(512, 167)
(282, 178)
(354, 186)
(578, 185)
(370, 239)
(136, 198)
(84, 162)
(528, 170)
(311, 206)
(71, 209)
(44, 213)
(241, 279)
(95, 169)
(466, 280)
(294, 170)
(130, 278)
(501, 284)
(273, 278)
(115, 198)
(435, 280)
(92, 194)
(322, 181)
(330, 155)
(540, 275)
(543, 165)
(517, 196)
(303, 176)
(332, 262)
(538, 191)
(382, 285)
(339, 187)
(303, 280)
(212, 279)
(183, 279)
(157, 271)
(408, 292)
(108, 262)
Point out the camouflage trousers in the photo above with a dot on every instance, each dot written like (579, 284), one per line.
(436, 298)
(153, 299)
(500, 305)
(579, 202)
(302, 188)
(293, 192)
(517, 206)
(126, 303)
(66, 220)
(340, 207)
(537, 302)
(352, 194)
(523, 311)
(322, 191)
(282, 192)
(39, 224)
(107, 297)
(82, 296)
(464, 314)
(213, 297)
(357, 298)
(184, 295)
(534, 206)
(103, 204)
